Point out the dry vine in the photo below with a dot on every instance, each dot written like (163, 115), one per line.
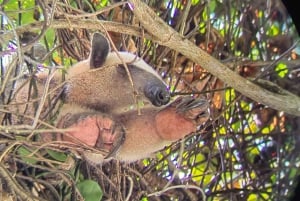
(229, 158)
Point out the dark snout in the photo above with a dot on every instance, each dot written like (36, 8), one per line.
(158, 94)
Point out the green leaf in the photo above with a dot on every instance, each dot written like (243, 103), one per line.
(229, 96)
(146, 162)
(281, 70)
(11, 6)
(90, 190)
(144, 199)
(222, 130)
(50, 37)
(194, 2)
(252, 197)
(198, 158)
(59, 156)
(212, 5)
(204, 15)
(274, 30)
(28, 6)
(236, 126)
(246, 106)
(26, 155)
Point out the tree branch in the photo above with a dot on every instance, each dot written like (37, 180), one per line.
(160, 32)
(165, 35)
(77, 24)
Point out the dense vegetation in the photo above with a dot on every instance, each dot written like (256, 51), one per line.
(246, 151)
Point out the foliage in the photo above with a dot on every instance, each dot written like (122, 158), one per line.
(90, 190)
(247, 151)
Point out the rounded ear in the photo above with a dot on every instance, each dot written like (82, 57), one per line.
(99, 51)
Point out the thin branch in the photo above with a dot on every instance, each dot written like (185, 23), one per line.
(14, 186)
(158, 193)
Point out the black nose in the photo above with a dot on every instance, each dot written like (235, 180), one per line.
(158, 94)
(162, 97)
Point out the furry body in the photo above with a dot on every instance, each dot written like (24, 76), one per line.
(100, 105)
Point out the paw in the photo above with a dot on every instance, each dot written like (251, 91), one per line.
(93, 129)
(181, 118)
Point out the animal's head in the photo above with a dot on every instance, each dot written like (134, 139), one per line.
(101, 82)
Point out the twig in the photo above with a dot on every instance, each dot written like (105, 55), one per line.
(14, 186)
(86, 15)
(130, 188)
(134, 91)
(276, 61)
(158, 193)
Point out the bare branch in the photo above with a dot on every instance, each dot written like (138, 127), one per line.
(166, 36)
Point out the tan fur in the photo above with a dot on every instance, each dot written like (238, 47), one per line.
(142, 138)
(28, 95)
(113, 59)
(159, 127)
(90, 88)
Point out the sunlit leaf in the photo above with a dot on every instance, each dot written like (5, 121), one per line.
(245, 106)
(159, 156)
(50, 36)
(267, 129)
(163, 164)
(236, 126)
(229, 95)
(11, 6)
(144, 199)
(281, 70)
(204, 15)
(255, 54)
(227, 115)
(199, 175)
(195, 159)
(252, 127)
(146, 162)
(202, 27)
(212, 6)
(198, 171)
(252, 152)
(260, 14)
(252, 197)
(207, 179)
(273, 178)
(222, 130)
(273, 30)
(253, 175)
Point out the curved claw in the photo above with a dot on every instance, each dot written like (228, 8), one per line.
(119, 138)
(193, 108)
(189, 103)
